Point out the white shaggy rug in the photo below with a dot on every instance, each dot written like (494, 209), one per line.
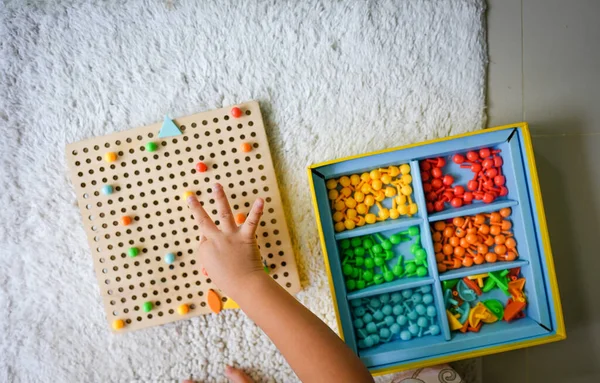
(334, 78)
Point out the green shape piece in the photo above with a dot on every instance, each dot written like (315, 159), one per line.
(450, 284)
(377, 249)
(359, 252)
(168, 129)
(367, 275)
(151, 146)
(495, 307)
(379, 261)
(421, 271)
(345, 244)
(500, 280)
(147, 307)
(369, 263)
(133, 252)
(359, 261)
(378, 279)
(368, 243)
(360, 285)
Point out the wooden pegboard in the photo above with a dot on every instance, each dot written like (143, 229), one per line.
(148, 187)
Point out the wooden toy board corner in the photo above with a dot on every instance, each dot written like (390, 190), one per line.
(148, 188)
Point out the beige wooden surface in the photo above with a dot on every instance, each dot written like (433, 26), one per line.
(148, 187)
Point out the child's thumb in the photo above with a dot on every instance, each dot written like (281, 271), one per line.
(236, 376)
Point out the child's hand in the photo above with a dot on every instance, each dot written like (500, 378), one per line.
(229, 255)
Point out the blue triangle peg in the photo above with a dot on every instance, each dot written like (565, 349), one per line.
(168, 129)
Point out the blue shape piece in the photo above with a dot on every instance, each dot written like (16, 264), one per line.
(168, 129)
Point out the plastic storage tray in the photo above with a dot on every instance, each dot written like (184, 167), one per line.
(543, 321)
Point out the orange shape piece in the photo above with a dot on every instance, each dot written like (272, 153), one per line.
(245, 147)
(240, 218)
(214, 301)
(125, 220)
(472, 285)
(515, 288)
(513, 309)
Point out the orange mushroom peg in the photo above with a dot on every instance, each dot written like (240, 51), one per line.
(240, 218)
(183, 309)
(236, 112)
(201, 167)
(110, 157)
(118, 324)
(245, 147)
(125, 220)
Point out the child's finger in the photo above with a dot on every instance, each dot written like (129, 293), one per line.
(249, 227)
(236, 375)
(207, 226)
(225, 215)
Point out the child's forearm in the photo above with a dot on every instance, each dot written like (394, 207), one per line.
(311, 348)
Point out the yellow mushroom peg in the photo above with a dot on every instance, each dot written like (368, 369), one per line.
(383, 213)
(405, 169)
(376, 184)
(394, 213)
(386, 178)
(338, 216)
(390, 191)
(359, 196)
(360, 221)
(333, 194)
(379, 195)
(375, 174)
(331, 184)
(369, 200)
(350, 202)
(354, 179)
(345, 181)
(393, 171)
(406, 179)
(362, 209)
(406, 190)
(366, 188)
(346, 192)
(365, 177)
(339, 226)
(370, 218)
(349, 224)
(339, 206)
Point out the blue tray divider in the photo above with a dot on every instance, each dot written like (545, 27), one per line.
(335, 263)
(427, 243)
(526, 238)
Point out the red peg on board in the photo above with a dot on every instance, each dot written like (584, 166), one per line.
(236, 112)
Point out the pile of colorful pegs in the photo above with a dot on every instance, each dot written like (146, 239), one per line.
(365, 259)
(352, 197)
(401, 315)
(487, 183)
(464, 241)
(467, 311)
